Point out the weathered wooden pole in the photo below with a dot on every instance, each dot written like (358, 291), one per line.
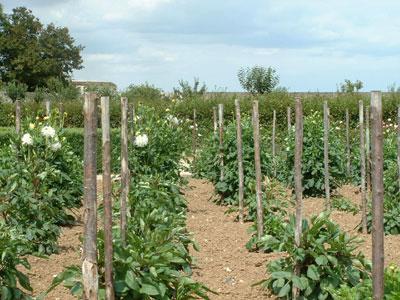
(124, 167)
(257, 161)
(362, 170)
(398, 145)
(18, 116)
(239, 158)
(61, 112)
(289, 117)
(298, 186)
(107, 200)
(48, 108)
(348, 163)
(368, 149)
(377, 196)
(194, 134)
(273, 142)
(221, 139)
(89, 260)
(215, 120)
(326, 156)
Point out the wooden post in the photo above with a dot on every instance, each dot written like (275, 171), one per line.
(289, 116)
(239, 158)
(221, 139)
(377, 195)
(107, 200)
(257, 161)
(348, 164)
(18, 116)
(89, 260)
(362, 165)
(194, 134)
(61, 112)
(273, 142)
(298, 187)
(398, 145)
(48, 109)
(124, 167)
(215, 120)
(368, 150)
(326, 156)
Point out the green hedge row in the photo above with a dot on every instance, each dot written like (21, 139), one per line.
(75, 138)
(184, 109)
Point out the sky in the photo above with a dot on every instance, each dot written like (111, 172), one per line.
(313, 44)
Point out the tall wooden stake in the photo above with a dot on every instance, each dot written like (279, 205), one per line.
(273, 142)
(194, 134)
(47, 105)
(124, 167)
(89, 261)
(377, 195)
(18, 116)
(298, 187)
(61, 112)
(398, 145)
(221, 139)
(368, 150)
(289, 116)
(239, 158)
(362, 164)
(348, 164)
(215, 120)
(326, 156)
(107, 201)
(257, 161)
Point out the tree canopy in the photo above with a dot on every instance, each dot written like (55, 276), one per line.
(33, 53)
(258, 79)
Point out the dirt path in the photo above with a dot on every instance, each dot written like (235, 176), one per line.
(223, 263)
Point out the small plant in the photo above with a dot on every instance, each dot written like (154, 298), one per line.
(40, 94)
(325, 261)
(186, 91)
(344, 204)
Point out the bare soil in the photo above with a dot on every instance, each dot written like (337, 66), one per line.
(223, 263)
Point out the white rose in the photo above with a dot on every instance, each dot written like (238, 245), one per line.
(141, 140)
(27, 139)
(55, 146)
(48, 131)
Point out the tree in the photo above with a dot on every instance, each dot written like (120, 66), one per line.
(185, 90)
(258, 79)
(16, 91)
(143, 92)
(32, 53)
(351, 87)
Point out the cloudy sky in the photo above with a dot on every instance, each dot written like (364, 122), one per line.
(313, 44)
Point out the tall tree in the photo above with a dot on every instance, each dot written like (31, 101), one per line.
(31, 53)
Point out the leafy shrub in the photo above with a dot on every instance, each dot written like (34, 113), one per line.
(344, 204)
(363, 291)
(325, 260)
(313, 156)
(14, 284)
(40, 180)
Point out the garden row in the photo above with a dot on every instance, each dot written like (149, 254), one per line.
(149, 255)
(322, 262)
(183, 108)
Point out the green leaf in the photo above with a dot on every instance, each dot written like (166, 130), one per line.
(149, 290)
(312, 272)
